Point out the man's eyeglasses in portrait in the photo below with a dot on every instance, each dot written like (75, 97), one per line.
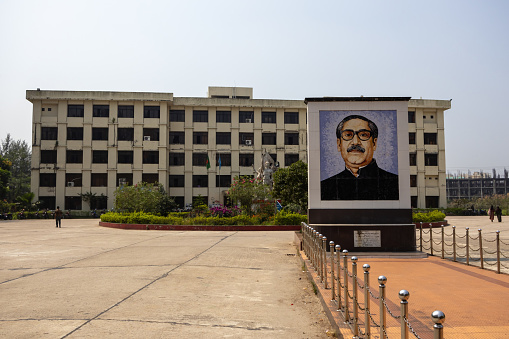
(362, 134)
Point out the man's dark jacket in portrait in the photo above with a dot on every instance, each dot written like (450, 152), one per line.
(372, 183)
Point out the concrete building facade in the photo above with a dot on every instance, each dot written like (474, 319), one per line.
(93, 142)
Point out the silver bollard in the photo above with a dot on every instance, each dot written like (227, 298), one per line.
(404, 295)
(468, 247)
(354, 295)
(480, 248)
(367, 321)
(431, 238)
(454, 242)
(320, 255)
(420, 234)
(498, 252)
(345, 289)
(332, 275)
(443, 242)
(383, 319)
(438, 329)
(338, 251)
(324, 246)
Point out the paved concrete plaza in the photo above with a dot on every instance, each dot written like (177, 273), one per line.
(88, 281)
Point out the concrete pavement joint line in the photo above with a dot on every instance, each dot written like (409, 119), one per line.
(73, 262)
(249, 328)
(147, 285)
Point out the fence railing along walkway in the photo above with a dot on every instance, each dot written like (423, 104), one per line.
(364, 308)
(476, 250)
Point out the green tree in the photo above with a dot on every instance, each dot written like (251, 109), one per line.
(5, 174)
(19, 154)
(291, 185)
(25, 200)
(143, 197)
(247, 191)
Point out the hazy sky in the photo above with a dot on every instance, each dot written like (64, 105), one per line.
(283, 49)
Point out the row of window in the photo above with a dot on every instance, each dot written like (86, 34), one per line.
(101, 180)
(177, 115)
(152, 157)
(411, 117)
(429, 138)
(430, 159)
(152, 134)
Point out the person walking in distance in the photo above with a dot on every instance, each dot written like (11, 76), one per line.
(58, 217)
(491, 213)
(498, 212)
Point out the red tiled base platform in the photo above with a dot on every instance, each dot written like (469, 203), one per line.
(201, 227)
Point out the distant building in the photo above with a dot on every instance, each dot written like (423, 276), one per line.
(476, 185)
(91, 141)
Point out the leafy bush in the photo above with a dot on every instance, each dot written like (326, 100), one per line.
(150, 198)
(428, 216)
(289, 218)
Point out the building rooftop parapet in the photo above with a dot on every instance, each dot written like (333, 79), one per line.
(32, 95)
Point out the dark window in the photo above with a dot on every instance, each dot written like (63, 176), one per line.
(431, 159)
(151, 112)
(274, 157)
(124, 179)
(411, 117)
(291, 138)
(74, 157)
(179, 201)
(74, 133)
(150, 178)
(49, 133)
(177, 138)
(72, 203)
(101, 111)
(431, 202)
(126, 134)
(290, 159)
(246, 116)
(226, 159)
(177, 180)
(268, 117)
(47, 180)
(246, 159)
(291, 117)
(99, 133)
(177, 115)
(200, 138)
(430, 138)
(223, 138)
(411, 138)
(150, 157)
(49, 157)
(75, 111)
(99, 180)
(200, 180)
(177, 159)
(126, 111)
(224, 116)
(268, 138)
(413, 201)
(413, 180)
(99, 157)
(125, 157)
(413, 159)
(151, 134)
(246, 139)
(47, 202)
(73, 179)
(199, 159)
(200, 116)
(223, 180)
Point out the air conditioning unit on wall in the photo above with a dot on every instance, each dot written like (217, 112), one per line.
(146, 138)
(248, 142)
(70, 184)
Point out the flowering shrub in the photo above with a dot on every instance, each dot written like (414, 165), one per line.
(245, 190)
(223, 211)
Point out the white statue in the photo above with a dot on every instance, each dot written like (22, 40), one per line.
(267, 169)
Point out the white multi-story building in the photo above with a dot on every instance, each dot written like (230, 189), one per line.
(92, 142)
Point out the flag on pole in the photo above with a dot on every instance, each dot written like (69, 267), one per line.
(208, 162)
(219, 161)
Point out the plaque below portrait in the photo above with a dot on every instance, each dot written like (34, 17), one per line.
(367, 238)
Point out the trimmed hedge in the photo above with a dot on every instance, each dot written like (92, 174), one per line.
(428, 217)
(281, 218)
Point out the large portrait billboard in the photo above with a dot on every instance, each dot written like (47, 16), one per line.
(358, 155)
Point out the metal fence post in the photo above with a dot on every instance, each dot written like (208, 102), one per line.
(354, 295)
(324, 246)
(367, 321)
(332, 275)
(498, 252)
(404, 295)
(454, 242)
(383, 319)
(431, 238)
(345, 289)
(480, 248)
(338, 251)
(438, 329)
(420, 234)
(468, 248)
(443, 242)
(319, 255)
